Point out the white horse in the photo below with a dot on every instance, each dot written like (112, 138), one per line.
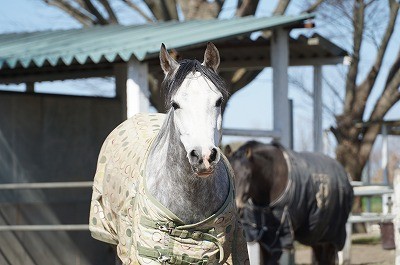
(176, 201)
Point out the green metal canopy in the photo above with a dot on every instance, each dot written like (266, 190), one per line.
(119, 43)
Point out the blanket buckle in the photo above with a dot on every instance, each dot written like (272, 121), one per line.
(165, 228)
(162, 258)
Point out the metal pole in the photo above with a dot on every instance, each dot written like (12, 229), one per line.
(317, 110)
(252, 133)
(384, 154)
(46, 185)
(396, 212)
(77, 227)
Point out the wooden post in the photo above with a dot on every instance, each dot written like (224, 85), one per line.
(132, 87)
(317, 117)
(30, 87)
(396, 212)
(137, 88)
(121, 76)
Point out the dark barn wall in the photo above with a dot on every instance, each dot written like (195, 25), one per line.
(50, 138)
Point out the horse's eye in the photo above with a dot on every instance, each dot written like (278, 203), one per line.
(175, 105)
(218, 103)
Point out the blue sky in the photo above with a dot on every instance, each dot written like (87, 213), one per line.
(251, 107)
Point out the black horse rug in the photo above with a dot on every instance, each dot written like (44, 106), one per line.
(313, 209)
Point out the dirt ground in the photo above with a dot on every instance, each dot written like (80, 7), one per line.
(361, 253)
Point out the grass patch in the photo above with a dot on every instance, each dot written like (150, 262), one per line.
(375, 202)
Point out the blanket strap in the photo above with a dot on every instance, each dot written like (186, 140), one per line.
(165, 256)
(170, 228)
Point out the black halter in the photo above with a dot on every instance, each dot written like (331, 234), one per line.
(261, 224)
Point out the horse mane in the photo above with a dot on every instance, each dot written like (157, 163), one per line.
(172, 82)
(258, 147)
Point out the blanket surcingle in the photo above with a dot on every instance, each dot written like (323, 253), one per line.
(124, 213)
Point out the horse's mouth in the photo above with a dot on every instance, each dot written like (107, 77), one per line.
(205, 174)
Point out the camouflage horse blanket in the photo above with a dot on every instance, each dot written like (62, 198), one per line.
(313, 209)
(124, 213)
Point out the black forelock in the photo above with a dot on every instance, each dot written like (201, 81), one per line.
(172, 82)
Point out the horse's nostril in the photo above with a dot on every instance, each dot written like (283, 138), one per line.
(194, 154)
(213, 155)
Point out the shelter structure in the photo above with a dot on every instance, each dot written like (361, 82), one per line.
(56, 139)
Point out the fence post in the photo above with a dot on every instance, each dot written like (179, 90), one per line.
(396, 212)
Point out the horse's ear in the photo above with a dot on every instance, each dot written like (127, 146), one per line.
(249, 153)
(211, 57)
(228, 151)
(168, 64)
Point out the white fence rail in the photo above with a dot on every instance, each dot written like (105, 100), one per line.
(45, 185)
(366, 217)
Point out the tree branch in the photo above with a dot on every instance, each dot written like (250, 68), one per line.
(299, 84)
(112, 18)
(163, 10)
(390, 96)
(82, 18)
(333, 89)
(200, 9)
(140, 11)
(93, 10)
(246, 8)
(366, 86)
(358, 25)
(393, 70)
(281, 7)
(314, 6)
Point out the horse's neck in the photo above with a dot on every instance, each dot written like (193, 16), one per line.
(172, 182)
(271, 176)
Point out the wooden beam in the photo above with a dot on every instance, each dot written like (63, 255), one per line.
(258, 64)
(30, 77)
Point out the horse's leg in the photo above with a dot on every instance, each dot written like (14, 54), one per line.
(287, 257)
(268, 258)
(324, 254)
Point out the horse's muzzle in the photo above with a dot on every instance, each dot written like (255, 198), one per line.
(203, 163)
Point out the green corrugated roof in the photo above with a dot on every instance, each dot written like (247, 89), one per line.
(121, 42)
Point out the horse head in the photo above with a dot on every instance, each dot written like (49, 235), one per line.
(260, 173)
(194, 96)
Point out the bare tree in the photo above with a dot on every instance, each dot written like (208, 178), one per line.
(355, 142)
(356, 130)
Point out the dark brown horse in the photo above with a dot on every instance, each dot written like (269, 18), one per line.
(284, 196)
